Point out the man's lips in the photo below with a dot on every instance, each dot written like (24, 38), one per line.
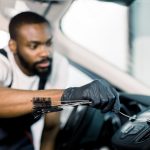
(43, 64)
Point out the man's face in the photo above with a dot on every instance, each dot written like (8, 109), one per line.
(33, 49)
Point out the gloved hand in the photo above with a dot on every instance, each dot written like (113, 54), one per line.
(100, 92)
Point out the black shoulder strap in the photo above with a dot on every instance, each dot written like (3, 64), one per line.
(4, 53)
(42, 83)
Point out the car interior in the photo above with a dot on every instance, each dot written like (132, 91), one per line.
(106, 39)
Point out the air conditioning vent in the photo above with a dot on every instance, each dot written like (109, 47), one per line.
(144, 137)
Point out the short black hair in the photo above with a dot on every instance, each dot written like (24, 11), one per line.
(26, 17)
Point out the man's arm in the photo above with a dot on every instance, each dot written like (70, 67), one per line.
(102, 95)
(50, 131)
(15, 102)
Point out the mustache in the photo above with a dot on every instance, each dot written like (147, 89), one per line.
(43, 60)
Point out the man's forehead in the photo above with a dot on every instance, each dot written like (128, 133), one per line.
(35, 31)
(39, 41)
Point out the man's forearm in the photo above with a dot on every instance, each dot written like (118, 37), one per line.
(50, 131)
(15, 102)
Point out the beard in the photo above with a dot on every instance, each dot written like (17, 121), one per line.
(42, 72)
(33, 69)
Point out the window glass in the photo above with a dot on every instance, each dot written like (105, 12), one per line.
(140, 40)
(101, 27)
(77, 77)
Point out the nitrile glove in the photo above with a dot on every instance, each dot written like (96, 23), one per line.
(99, 92)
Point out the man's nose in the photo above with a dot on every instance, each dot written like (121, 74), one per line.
(44, 51)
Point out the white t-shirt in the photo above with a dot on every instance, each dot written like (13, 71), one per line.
(10, 72)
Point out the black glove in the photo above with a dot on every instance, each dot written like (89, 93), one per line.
(100, 92)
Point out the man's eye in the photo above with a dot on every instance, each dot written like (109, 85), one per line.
(33, 46)
(48, 43)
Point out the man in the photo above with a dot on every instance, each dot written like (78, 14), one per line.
(27, 68)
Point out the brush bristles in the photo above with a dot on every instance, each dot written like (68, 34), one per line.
(42, 102)
(42, 105)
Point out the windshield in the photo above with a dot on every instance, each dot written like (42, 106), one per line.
(113, 32)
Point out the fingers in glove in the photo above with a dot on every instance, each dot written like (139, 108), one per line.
(103, 103)
(109, 106)
(116, 107)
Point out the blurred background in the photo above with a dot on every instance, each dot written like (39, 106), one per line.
(101, 39)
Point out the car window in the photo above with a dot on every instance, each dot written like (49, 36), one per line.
(117, 33)
(77, 77)
(101, 27)
(140, 40)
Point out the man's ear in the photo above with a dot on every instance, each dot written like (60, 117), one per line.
(12, 45)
